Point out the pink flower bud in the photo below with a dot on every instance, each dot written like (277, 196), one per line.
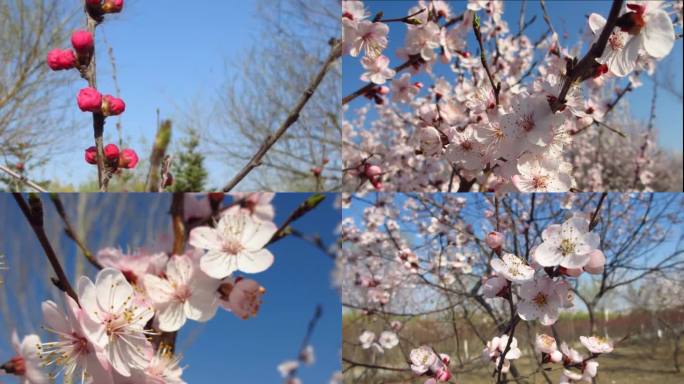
(89, 100)
(596, 262)
(112, 6)
(94, 3)
(372, 170)
(111, 152)
(494, 240)
(112, 106)
(82, 41)
(91, 155)
(128, 159)
(316, 171)
(383, 90)
(59, 59)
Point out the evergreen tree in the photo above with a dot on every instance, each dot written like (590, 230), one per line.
(188, 167)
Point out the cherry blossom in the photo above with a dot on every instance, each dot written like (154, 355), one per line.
(596, 344)
(512, 268)
(377, 69)
(184, 293)
(236, 244)
(568, 245)
(495, 349)
(26, 364)
(539, 300)
(256, 204)
(242, 297)
(546, 344)
(121, 320)
(78, 357)
(425, 361)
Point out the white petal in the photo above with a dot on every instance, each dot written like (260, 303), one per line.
(112, 289)
(201, 307)
(158, 290)
(205, 238)
(171, 317)
(254, 261)
(218, 264)
(179, 270)
(87, 297)
(547, 254)
(54, 318)
(256, 234)
(659, 35)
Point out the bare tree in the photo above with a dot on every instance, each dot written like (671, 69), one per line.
(32, 118)
(293, 44)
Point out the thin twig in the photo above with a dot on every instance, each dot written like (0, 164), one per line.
(307, 206)
(496, 87)
(69, 231)
(587, 66)
(293, 116)
(33, 211)
(22, 179)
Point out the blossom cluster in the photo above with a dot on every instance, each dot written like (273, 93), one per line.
(113, 330)
(490, 128)
(89, 99)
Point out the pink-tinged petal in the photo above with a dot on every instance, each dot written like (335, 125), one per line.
(16, 343)
(513, 353)
(256, 234)
(592, 240)
(659, 34)
(158, 290)
(54, 318)
(596, 22)
(596, 262)
(574, 260)
(528, 310)
(180, 270)
(201, 307)
(552, 231)
(87, 297)
(255, 261)
(171, 317)
(218, 264)
(96, 370)
(112, 289)
(550, 316)
(114, 355)
(623, 62)
(205, 238)
(547, 254)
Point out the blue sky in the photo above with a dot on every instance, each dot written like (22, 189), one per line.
(227, 347)
(566, 16)
(169, 55)
(472, 214)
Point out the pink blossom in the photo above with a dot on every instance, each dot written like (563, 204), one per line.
(494, 240)
(425, 361)
(26, 363)
(494, 286)
(135, 265)
(236, 244)
(112, 6)
(596, 262)
(546, 344)
(256, 204)
(112, 106)
(111, 152)
(370, 37)
(73, 353)
(82, 41)
(91, 155)
(183, 293)
(120, 320)
(377, 69)
(59, 59)
(539, 300)
(241, 296)
(597, 344)
(495, 348)
(128, 159)
(512, 268)
(89, 100)
(568, 245)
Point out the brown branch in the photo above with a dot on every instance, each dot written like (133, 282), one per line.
(293, 116)
(586, 67)
(69, 231)
(307, 206)
(483, 58)
(33, 211)
(305, 341)
(22, 179)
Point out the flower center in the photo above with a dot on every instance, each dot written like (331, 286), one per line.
(182, 293)
(526, 123)
(540, 182)
(566, 247)
(616, 41)
(233, 246)
(540, 299)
